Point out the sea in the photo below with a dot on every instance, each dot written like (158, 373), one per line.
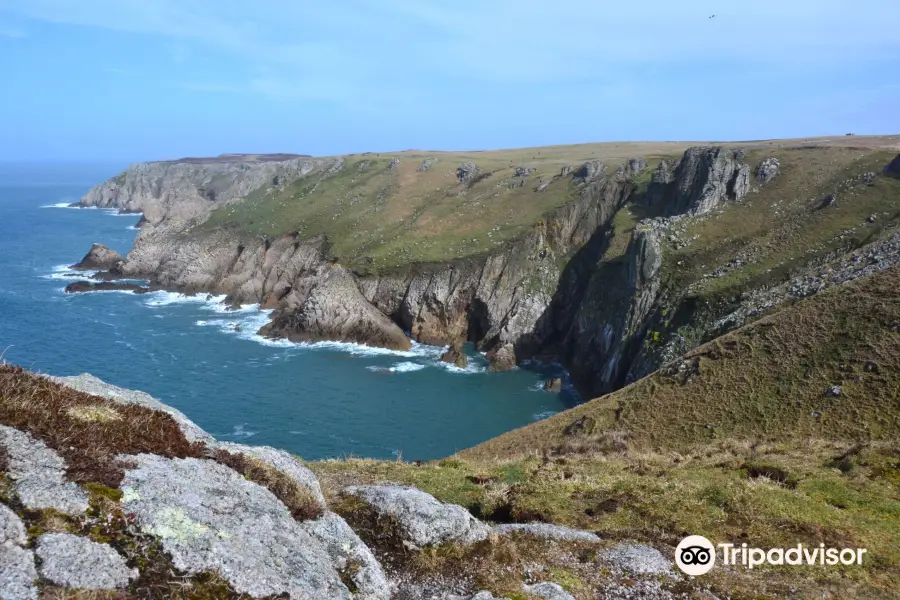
(325, 400)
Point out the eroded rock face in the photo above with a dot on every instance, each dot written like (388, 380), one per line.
(199, 510)
(706, 177)
(99, 257)
(77, 562)
(37, 473)
(662, 176)
(336, 310)
(421, 519)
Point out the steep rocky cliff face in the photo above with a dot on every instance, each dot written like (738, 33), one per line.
(548, 291)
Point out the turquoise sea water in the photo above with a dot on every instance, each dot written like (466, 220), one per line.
(325, 400)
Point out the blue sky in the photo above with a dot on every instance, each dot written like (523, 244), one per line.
(127, 80)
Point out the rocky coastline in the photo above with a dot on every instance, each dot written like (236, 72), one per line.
(540, 294)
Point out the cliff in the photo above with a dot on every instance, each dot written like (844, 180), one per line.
(598, 263)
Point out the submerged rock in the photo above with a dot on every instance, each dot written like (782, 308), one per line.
(421, 519)
(37, 473)
(554, 384)
(77, 562)
(80, 287)
(99, 257)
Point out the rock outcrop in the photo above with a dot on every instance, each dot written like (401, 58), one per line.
(76, 562)
(705, 178)
(456, 355)
(421, 520)
(767, 170)
(99, 257)
(82, 287)
(37, 474)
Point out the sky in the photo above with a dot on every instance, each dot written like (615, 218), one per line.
(129, 80)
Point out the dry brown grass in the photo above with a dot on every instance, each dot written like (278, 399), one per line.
(55, 415)
(299, 500)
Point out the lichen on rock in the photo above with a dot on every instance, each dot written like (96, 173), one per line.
(77, 562)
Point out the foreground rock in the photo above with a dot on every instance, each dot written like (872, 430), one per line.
(638, 559)
(456, 355)
(548, 591)
(80, 287)
(17, 570)
(37, 474)
(99, 258)
(199, 510)
(77, 562)
(421, 520)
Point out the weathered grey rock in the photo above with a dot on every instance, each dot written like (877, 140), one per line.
(547, 531)
(12, 529)
(767, 170)
(335, 309)
(37, 473)
(589, 170)
(281, 461)
(421, 519)
(502, 359)
(99, 257)
(634, 166)
(77, 562)
(89, 384)
(349, 555)
(542, 186)
(209, 518)
(705, 178)
(426, 165)
(395, 162)
(548, 591)
(638, 559)
(660, 183)
(483, 595)
(523, 171)
(740, 186)
(364, 165)
(466, 172)
(17, 573)
(554, 384)
(834, 391)
(893, 167)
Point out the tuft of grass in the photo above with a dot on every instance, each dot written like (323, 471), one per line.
(296, 498)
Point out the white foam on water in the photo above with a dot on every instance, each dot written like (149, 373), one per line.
(64, 273)
(470, 369)
(240, 432)
(161, 298)
(537, 387)
(404, 367)
(60, 205)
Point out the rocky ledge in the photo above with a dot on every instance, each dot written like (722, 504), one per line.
(104, 489)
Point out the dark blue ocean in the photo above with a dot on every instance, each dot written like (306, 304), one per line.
(325, 400)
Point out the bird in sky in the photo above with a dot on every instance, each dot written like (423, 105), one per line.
(713, 17)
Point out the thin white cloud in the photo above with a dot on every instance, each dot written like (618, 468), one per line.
(12, 32)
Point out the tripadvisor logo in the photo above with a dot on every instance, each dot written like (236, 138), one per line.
(696, 555)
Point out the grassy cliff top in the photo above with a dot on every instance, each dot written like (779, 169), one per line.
(387, 210)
